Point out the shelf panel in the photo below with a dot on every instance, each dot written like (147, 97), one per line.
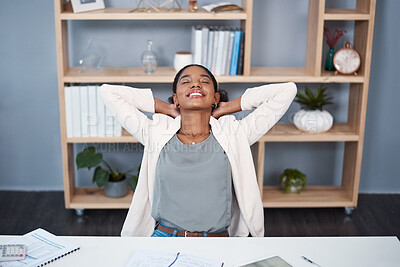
(340, 132)
(345, 14)
(94, 198)
(269, 74)
(129, 14)
(311, 196)
(167, 74)
(125, 138)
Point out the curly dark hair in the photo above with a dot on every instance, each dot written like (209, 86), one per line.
(223, 94)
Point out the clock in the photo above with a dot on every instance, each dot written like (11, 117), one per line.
(346, 60)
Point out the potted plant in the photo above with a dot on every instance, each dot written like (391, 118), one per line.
(312, 117)
(292, 180)
(115, 183)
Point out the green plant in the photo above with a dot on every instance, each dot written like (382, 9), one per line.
(310, 101)
(292, 179)
(88, 158)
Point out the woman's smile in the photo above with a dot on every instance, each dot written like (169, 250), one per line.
(196, 93)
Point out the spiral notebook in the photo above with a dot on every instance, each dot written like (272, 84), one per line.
(42, 249)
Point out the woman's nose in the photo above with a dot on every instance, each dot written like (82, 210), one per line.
(195, 84)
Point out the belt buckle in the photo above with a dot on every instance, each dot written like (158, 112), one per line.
(185, 233)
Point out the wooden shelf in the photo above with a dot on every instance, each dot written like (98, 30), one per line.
(351, 133)
(268, 74)
(125, 138)
(340, 132)
(129, 14)
(311, 196)
(167, 74)
(94, 198)
(345, 14)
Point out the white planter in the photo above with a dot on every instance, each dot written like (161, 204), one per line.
(313, 121)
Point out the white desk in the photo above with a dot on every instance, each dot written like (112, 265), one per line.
(326, 251)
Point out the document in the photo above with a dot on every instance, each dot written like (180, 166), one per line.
(144, 258)
(42, 248)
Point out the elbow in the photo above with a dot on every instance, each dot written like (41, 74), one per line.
(104, 90)
(292, 89)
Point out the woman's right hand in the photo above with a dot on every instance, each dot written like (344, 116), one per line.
(165, 108)
(174, 111)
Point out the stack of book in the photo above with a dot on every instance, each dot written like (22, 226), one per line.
(86, 114)
(219, 49)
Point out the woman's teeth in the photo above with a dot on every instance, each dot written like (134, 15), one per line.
(195, 94)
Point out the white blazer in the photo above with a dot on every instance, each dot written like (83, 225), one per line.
(235, 137)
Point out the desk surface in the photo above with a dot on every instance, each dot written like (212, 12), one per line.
(326, 251)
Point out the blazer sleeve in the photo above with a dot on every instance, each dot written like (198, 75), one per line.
(127, 104)
(269, 103)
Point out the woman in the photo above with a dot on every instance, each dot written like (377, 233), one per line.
(197, 175)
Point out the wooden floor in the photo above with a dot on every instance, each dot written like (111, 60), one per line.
(376, 215)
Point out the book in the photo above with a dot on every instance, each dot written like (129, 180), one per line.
(222, 7)
(76, 111)
(215, 50)
(42, 249)
(93, 115)
(84, 111)
(210, 48)
(229, 58)
(235, 53)
(101, 110)
(225, 52)
(220, 52)
(143, 257)
(196, 44)
(241, 54)
(204, 45)
(68, 111)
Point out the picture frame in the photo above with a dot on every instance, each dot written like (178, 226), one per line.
(86, 5)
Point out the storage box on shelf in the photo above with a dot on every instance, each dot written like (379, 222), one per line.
(351, 132)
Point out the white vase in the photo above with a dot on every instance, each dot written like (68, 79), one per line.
(313, 121)
(182, 59)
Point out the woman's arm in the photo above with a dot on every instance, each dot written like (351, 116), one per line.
(165, 108)
(127, 104)
(270, 103)
(227, 108)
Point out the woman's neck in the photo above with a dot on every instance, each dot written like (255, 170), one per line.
(195, 122)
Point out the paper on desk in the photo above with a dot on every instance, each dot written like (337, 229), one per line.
(145, 258)
(42, 248)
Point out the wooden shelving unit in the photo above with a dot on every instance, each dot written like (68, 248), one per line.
(351, 132)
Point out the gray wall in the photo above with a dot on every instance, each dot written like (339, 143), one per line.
(30, 154)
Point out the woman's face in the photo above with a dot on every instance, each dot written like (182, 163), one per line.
(195, 89)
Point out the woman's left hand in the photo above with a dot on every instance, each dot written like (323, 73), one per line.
(220, 110)
(227, 108)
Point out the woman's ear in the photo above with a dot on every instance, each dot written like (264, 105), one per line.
(216, 97)
(175, 100)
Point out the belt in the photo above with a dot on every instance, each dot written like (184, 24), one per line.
(189, 234)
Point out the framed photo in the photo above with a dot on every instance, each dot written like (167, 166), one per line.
(86, 5)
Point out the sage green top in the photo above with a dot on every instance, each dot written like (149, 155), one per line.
(193, 188)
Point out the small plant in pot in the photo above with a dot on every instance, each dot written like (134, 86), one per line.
(292, 180)
(312, 117)
(115, 183)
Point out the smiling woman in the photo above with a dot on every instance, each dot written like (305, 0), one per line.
(197, 176)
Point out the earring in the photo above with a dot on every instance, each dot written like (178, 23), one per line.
(178, 106)
(214, 105)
